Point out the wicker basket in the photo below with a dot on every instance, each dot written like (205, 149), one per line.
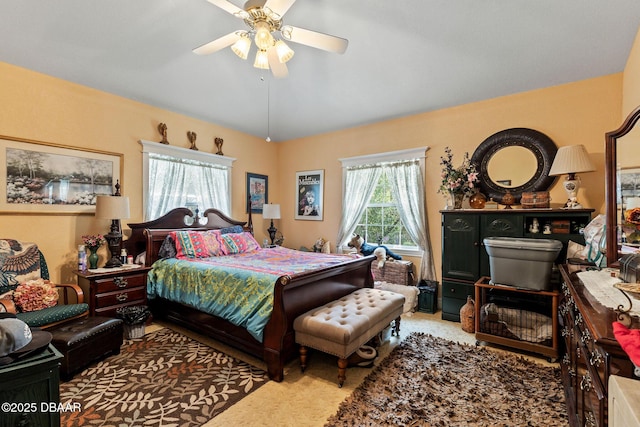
(397, 272)
(468, 316)
(132, 332)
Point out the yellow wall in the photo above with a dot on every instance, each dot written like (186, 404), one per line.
(631, 81)
(39, 107)
(575, 113)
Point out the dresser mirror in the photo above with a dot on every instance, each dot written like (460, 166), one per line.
(622, 191)
(515, 160)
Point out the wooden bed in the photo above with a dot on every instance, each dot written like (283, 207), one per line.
(292, 297)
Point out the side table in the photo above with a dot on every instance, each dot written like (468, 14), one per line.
(112, 288)
(31, 388)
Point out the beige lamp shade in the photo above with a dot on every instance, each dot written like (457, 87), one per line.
(570, 160)
(112, 207)
(271, 211)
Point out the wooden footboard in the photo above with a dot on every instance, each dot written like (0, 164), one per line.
(292, 297)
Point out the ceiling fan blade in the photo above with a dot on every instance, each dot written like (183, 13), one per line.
(229, 7)
(217, 44)
(278, 69)
(279, 7)
(314, 39)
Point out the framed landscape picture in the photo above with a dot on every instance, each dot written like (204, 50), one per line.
(257, 192)
(309, 195)
(40, 177)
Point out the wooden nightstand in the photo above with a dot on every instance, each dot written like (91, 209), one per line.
(110, 289)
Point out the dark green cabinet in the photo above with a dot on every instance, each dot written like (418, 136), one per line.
(465, 259)
(30, 390)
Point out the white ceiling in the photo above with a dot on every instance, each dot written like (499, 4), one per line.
(404, 56)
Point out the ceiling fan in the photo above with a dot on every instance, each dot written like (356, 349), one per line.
(264, 19)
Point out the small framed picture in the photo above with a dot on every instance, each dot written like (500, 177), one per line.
(309, 195)
(257, 192)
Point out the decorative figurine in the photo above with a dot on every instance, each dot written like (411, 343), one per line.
(547, 229)
(192, 139)
(218, 142)
(508, 200)
(535, 226)
(162, 128)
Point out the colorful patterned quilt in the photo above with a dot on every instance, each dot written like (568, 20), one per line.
(239, 287)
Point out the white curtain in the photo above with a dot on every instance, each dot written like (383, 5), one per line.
(173, 182)
(360, 181)
(407, 186)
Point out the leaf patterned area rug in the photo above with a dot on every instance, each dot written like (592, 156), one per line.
(430, 381)
(163, 379)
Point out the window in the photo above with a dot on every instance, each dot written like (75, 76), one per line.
(176, 177)
(380, 224)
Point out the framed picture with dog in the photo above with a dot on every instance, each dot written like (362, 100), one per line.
(309, 195)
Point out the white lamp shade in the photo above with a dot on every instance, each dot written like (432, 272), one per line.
(262, 60)
(571, 159)
(242, 47)
(112, 207)
(271, 211)
(285, 53)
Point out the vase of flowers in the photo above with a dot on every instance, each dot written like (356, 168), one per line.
(93, 243)
(457, 182)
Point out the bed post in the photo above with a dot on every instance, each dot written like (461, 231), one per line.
(250, 220)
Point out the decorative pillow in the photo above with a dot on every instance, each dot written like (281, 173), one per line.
(19, 262)
(168, 248)
(214, 243)
(35, 295)
(190, 244)
(233, 229)
(238, 243)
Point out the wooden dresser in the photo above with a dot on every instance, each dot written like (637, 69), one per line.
(591, 354)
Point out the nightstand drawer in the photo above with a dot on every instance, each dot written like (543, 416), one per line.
(117, 283)
(124, 296)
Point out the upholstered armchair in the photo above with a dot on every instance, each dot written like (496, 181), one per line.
(21, 266)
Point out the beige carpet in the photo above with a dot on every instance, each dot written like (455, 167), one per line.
(309, 399)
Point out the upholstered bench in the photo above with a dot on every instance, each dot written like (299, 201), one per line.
(342, 326)
(86, 340)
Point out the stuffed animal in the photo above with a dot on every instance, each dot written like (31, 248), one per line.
(365, 249)
(318, 245)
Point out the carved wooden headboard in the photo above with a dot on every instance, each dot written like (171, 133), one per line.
(211, 219)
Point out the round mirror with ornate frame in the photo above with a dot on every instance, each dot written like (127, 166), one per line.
(530, 151)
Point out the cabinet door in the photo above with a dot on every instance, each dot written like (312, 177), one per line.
(497, 226)
(460, 243)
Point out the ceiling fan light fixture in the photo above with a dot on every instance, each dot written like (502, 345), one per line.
(262, 60)
(285, 53)
(263, 37)
(242, 47)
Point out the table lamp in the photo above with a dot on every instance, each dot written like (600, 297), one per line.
(114, 208)
(571, 160)
(271, 211)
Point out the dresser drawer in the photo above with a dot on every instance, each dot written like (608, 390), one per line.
(457, 290)
(123, 296)
(120, 282)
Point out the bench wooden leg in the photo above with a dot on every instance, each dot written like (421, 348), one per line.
(303, 358)
(342, 371)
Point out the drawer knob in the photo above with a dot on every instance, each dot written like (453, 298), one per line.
(122, 297)
(120, 282)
